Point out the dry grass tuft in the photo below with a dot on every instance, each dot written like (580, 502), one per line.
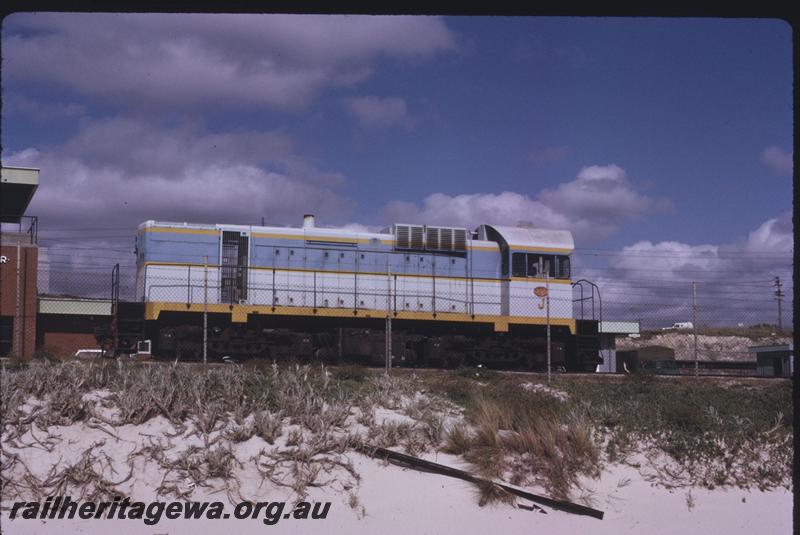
(457, 440)
(492, 494)
(267, 425)
(240, 432)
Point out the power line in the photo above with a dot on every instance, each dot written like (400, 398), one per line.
(704, 254)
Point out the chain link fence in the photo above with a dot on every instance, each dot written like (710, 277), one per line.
(727, 318)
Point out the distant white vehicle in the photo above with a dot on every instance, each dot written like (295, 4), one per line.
(681, 325)
(143, 350)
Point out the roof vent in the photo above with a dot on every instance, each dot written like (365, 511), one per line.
(419, 237)
(402, 236)
(308, 221)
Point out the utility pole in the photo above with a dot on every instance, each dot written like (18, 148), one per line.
(205, 311)
(547, 306)
(388, 347)
(779, 298)
(694, 328)
(18, 325)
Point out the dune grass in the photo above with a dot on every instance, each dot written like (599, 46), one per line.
(310, 417)
(708, 433)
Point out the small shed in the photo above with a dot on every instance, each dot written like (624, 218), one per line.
(66, 324)
(653, 357)
(774, 360)
(608, 331)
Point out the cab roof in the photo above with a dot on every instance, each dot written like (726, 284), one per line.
(526, 239)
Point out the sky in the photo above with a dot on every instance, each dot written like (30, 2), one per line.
(662, 144)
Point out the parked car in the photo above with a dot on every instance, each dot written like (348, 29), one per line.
(681, 325)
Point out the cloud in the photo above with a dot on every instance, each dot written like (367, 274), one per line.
(676, 261)
(281, 61)
(120, 172)
(778, 160)
(358, 227)
(653, 281)
(15, 103)
(599, 200)
(376, 112)
(592, 206)
(471, 210)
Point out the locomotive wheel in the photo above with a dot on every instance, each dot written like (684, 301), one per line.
(454, 360)
(187, 349)
(411, 358)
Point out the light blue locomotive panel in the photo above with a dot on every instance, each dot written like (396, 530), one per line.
(371, 258)
(178, 248)
(327, 268)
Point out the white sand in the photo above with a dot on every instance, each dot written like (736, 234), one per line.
(397, 500)
(390, 500)
(544, 389)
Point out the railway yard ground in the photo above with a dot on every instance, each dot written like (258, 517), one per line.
(656, 454)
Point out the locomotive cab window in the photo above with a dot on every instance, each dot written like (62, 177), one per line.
(533, 265)
(562, 263)
(518, 268)
(549, 265)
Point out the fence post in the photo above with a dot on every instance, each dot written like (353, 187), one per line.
(388, 346)
(205, 310)
(779, 297)
(433, 295)
(694, 328)
(18, 327)
(547, 302)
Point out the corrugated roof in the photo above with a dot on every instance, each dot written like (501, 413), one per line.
(74, 306)
(619, 327)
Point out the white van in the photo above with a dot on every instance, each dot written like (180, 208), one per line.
(681, 325)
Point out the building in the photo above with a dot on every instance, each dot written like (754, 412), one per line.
(67, 324)
(609, 331)
(774, 361)
(652, 357)
(18, 262)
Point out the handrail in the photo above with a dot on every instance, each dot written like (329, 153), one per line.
(594, 287)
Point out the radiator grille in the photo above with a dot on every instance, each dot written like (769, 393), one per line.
(416, 237)
(402, 235)
(429, 238)
(459, 239)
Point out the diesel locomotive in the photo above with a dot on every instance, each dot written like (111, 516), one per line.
(455, 296)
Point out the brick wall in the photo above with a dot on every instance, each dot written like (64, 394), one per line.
(63, 334)
(64, 345)
(8, 294)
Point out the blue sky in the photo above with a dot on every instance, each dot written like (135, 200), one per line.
(626, 131)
